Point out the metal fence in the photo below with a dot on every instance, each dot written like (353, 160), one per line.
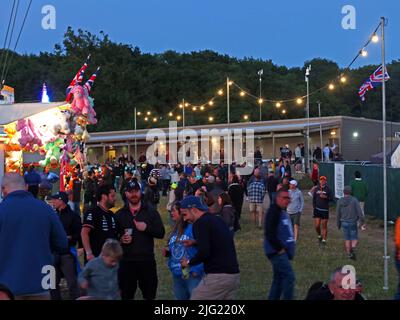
(372, 174)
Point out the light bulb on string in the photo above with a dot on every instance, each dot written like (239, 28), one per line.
(186, 104)
(139, 113)
(283, 111)
(242, 93)
(278, 105)
(181, 106)
(260, 101)
(246, 117)
(178, 118)
(364, 52)
(148, 113)
(170, 114)
(343, 79)
(201, 108)
(194, 108)
(211, 103)
(375, 38)
(154, 119)
(146, 119)
(211, 119)
(299, 101)
(331, 86)
(220, 92)
(230, 83)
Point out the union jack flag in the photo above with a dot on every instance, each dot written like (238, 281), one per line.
(77, 79)
(88, 85)
(373, 81)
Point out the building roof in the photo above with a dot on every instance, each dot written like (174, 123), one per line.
(290, 125)
(16, 111)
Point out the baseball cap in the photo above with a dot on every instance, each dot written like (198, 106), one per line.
(322, 178)
(193, 202)
(133, 185)
(293, 182)
(59, 196)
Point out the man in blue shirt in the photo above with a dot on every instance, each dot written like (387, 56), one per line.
(30, 232)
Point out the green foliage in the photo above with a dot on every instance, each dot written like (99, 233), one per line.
(159, 82)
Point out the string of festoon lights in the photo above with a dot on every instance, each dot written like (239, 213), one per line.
(340, 79)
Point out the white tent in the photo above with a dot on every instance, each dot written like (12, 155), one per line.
(16, 111)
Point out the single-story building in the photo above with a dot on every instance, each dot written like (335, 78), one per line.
(355, 138)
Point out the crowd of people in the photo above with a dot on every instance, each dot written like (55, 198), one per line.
(204, 204)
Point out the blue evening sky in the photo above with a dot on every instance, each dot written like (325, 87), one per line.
(287, 32)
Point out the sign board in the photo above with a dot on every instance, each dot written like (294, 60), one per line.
(7, 95)
(339, 180)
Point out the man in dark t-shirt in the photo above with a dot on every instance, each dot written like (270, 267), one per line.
(216, 249)
(99, 223)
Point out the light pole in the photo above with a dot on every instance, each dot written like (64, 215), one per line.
(227, 102)
(306, 147)
(135, 136)
(183, 113)
(260, 73)
(386, 257)
(320, 125)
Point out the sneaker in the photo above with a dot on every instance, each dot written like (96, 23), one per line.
(323, 242)
(319, 239)
(352, 255)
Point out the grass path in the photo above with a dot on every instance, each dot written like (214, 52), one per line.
(311, 263)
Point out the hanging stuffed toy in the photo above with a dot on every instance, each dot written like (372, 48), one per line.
(53, 153)
(79, 94)
(29, 140)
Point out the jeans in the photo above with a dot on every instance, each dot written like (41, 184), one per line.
(165, 187)
(272, 196)
(116, 182)
(77, 207)
(183, 287)
(283, 278)
(134, 274)
(65, 265)
(397, 296)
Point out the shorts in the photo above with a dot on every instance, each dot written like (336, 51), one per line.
(350, 230)
(295, 218)
(256, 207)
(321, 214)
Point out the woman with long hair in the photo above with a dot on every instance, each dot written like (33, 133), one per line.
(184, 279)
(227, 212)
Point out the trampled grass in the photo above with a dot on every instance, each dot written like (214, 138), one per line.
(311, 263)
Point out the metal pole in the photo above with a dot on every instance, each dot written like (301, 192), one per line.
(227, 101)
(306, 147)
(260, 99)
(228, 150)
(386, 257)
(135, 135)
(320, 124)
(183, 113)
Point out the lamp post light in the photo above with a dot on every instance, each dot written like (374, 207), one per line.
(260, 101)
(307, 140)
(386, 257)
(320, 124)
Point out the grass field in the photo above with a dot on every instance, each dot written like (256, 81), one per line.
(311, 263)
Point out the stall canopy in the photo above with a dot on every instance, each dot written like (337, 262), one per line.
(16, 111)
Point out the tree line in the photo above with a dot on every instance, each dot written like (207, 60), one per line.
(158, 82)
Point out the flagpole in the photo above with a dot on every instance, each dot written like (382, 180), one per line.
(386, 257)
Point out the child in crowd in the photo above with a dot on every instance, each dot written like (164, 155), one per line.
(100, 275)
